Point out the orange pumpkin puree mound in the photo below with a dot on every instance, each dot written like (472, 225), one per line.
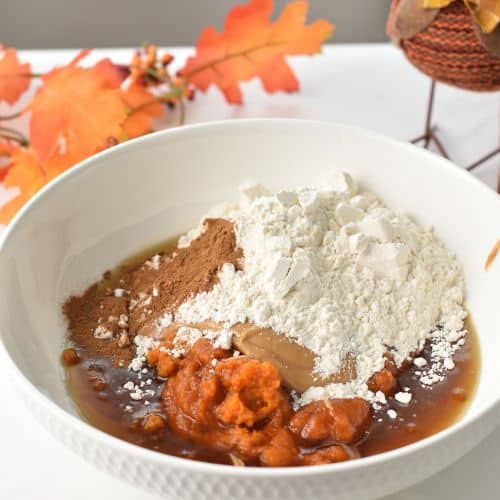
(237, 405)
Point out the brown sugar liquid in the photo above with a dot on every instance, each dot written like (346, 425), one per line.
(108, 406)
(432, 409)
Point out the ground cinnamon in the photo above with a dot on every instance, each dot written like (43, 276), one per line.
(103, 318)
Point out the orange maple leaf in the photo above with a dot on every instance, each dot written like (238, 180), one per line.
(26, 174)
(109, 73)
(14, 76)
(6, 149)
(76, 110)
(59, 163)
(143, 108)
(252, 46)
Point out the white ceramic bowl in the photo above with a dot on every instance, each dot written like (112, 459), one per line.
(158, 186)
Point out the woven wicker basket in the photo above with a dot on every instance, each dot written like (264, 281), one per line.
(449, 51)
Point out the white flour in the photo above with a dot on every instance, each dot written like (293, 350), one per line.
(338, 272)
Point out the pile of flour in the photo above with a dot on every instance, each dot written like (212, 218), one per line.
(338, 272)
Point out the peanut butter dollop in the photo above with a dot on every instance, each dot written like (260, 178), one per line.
(295, 363)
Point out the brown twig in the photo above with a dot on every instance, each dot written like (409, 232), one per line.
(14, 135)
(227, 57)
(153, 73)
(175, 93)
(22, 75)
(182, 112)
(10, 117)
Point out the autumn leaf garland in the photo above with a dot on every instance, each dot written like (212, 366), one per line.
(78, 111)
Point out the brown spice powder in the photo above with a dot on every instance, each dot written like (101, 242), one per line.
(151, 288)
(90, 310)
(183, 273)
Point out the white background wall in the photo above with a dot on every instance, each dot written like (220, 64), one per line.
(121, 23)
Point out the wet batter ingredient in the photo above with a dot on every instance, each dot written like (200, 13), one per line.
(98, 383)
(97, 389)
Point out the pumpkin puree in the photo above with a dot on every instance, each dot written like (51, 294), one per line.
(238, 406)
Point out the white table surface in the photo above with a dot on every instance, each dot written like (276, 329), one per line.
(372, 86)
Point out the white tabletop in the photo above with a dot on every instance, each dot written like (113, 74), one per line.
(372, 86)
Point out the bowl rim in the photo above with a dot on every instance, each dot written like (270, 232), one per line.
(82, 426)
